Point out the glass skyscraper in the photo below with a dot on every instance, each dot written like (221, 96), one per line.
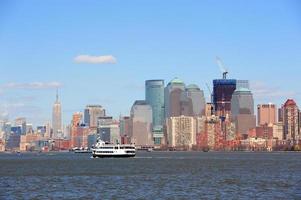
(154, 96)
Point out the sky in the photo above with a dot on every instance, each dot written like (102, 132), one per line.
(101, 52)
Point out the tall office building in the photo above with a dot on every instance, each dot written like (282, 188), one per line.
(181, 131)
(242, 102)
(154, 96)
(141, 123)
(196, 96)
(222, 94)
(56, 117)
(242, 84)
(242, 111)
(92, 113)
(77, 118)
(21, 121)
(266, 114)
(173, 93)
(108, 130)
(124, 125)
(291, 121)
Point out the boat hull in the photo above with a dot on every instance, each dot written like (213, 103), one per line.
(113, 156)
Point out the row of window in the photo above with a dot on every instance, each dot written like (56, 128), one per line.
(116, 147)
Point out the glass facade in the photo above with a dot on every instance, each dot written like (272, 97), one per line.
(222, 94)
(154, 96)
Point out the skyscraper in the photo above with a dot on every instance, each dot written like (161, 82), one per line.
(173, 93)
(222, 94)
(108, 130)
(197, 98)
(266, 114)
(242, 102)
(291, 121)
(141, 123)
(92, 112)
(56, 117)
(21, 121)
(242, 84)
(154, 96)
(242, 111)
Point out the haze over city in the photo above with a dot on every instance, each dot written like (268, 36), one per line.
(101, 52)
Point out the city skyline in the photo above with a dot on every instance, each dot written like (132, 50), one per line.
(92, 61)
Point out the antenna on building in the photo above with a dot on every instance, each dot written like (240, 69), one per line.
(222, 67)
(57, 94)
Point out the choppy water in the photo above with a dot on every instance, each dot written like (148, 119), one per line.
(154, 175)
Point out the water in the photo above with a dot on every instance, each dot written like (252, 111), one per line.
(152, 175)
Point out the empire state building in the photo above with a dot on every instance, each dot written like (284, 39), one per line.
(56, 117)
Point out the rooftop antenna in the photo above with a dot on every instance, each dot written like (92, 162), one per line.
(222, 67)
(57, 94)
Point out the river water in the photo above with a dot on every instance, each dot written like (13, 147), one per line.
(152, 175)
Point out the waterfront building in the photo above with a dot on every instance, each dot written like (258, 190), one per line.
(154, 96)
(291, 121)
(141, 124)
(92, 113)
(77, 119)
(173, 93)
(242, 111)
(79, 136)
(278, 131)
(108, 130)
(181, 132)
(13, 142)
(222, 94)
(208, 132)
(92, 140)
(6, 129)
(56, 117)
(21, 122)
(196, 99)
(124, 125)
(28, 141)
(2, 145)
(264, 131)
(266, 114)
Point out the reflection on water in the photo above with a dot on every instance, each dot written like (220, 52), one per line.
(152, 175)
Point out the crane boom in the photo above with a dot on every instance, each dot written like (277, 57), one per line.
(210, 92)
(222, 67)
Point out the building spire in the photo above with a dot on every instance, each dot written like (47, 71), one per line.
(57, 95)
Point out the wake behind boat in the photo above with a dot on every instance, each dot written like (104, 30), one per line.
(102, 149)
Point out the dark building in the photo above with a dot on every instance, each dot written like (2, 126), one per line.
(222, 94)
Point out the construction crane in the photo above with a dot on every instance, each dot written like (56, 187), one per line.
(210, 92)
(222, 67)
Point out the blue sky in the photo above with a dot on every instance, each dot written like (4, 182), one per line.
(39, 41)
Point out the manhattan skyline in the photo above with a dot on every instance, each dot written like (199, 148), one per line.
(102, 52)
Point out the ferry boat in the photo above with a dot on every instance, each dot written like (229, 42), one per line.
(81, 150)
(103, 149)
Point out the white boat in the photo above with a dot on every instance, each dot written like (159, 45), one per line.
(102, 149)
